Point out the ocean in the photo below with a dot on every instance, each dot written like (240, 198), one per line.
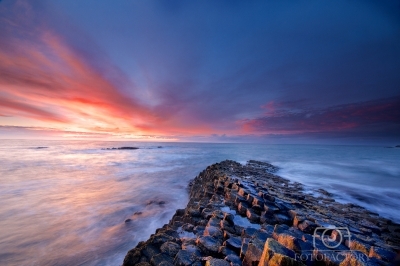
(66, 202)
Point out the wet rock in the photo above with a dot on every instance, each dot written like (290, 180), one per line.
(234, 260)
(289, 241)
(357, 259)
(248, 232)
(217, 262)
(213, 231)
(276, 254)
(257, 209)
(283, 218)
(234, 243)
(161, 259)
(170, 248)
(187, 257)
(252, 216)
(242, 208)
(382, 254)
(356, 244)
(307, 226)
(255, 248)
(267, 218)
(143, 264)
(209, 245)
(225, 251)
(298, 219)
(245, 245)
(132, 258)
(271, 208)
(229, 218)
(150, 250)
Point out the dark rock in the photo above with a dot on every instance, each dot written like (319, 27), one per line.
(187, 257)
(248, 232)
(283, 218)
(252, 216)
(234, 260)
(170, 248)
(276, 254)
(161, 258)
(267, 218)
(234, 243)
(242, 208)
(229, 218)
(254, 251)
(357, 259)
(270, 208)
(143, 264)
(132, 258)
(209, 245)
(245, 245)
(150, 250)
(217, 262)
(128, 220)
(225, 251)
(382, 254)
(213, 231)
(122, 148)
(307, 226)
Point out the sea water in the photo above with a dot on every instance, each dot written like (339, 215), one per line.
(66, 202)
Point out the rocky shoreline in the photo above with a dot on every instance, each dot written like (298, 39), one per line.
(246, 215)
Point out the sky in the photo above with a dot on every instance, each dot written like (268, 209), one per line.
(208, 71)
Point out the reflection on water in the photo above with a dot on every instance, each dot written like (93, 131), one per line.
(67, 204)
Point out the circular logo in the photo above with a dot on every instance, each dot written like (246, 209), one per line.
(328, 241)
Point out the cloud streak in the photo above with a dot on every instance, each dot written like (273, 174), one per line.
(287, 118)
(201, 70)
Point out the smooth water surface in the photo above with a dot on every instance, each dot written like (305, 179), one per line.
(66, 202)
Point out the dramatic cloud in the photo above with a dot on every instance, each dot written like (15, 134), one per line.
(201, 70)
(289, 118)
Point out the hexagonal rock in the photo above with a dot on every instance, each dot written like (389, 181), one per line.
(234, 243)
(307, 226)
(270, 207)
(357, 259)
(187, 257)
(356, 244)
(252, 216)
(229, 218)
(217, 262)
(234, 260)
(170, 248)
(213, 231)
(161, 258)
(283, 218)
(242, 208)
(242, 192)
(298, 219)
(255, 248)
(382, 254)
(208, 244)
(257, 209)
(276, 254)
(289, 241)
(267, 218)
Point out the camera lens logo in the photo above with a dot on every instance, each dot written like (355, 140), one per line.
(331, 237)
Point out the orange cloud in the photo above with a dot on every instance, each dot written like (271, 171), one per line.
(46, 80)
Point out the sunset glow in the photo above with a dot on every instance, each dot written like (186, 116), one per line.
(143, 76)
